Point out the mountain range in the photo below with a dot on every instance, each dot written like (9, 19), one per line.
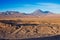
(36, 13)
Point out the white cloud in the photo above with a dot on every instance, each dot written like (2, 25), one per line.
(50, 6)
(43, 6)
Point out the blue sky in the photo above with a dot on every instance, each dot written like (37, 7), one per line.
(29, 6)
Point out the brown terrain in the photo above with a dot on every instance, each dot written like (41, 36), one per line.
(15, 25)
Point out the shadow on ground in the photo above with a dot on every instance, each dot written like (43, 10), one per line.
(57, 37)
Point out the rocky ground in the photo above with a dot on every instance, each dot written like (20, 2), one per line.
(8, 31)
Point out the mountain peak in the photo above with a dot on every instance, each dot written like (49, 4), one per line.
(40, 12)
(37, 12)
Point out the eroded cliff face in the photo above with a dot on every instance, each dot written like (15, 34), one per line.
(28, 31)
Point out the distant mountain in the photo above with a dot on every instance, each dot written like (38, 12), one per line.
(9, 12)
(37, 13)
(40, 12)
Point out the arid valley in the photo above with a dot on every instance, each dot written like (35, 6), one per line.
(15, 25)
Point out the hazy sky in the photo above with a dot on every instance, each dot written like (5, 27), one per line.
(29, 6)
